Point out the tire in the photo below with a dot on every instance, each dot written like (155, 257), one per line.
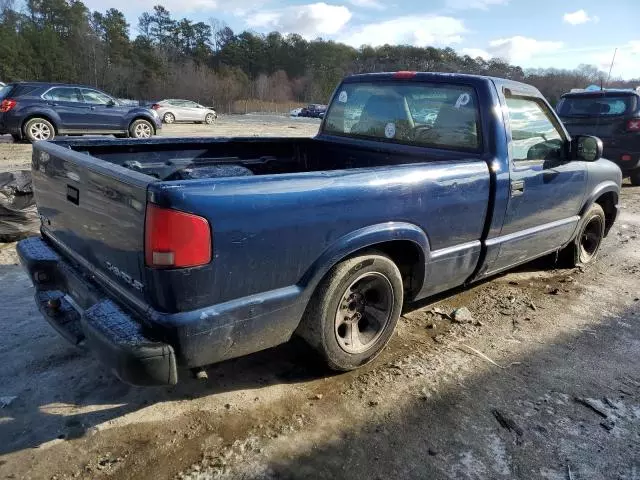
(354, 311)
(584, 249)
(209, 119)
(634, 176)
(39, 129)
(141, 129)
(169, 118)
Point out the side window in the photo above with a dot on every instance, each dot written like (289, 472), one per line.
(63, 94)
(94, 97)
(190, 104)
(533, 133)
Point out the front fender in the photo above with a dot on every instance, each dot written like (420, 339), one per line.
(601, 189)
(360, 239)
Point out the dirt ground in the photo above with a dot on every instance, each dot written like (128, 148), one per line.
(543, 384)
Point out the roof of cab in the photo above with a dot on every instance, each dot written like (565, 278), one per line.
(443, 77)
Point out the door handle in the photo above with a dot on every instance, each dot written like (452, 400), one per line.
(517, 188)
(53, 104)
(92, 108)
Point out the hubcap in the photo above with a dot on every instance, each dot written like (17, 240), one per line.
(40, 131)
(142, 130)
(364, 312)
(591, 237)
(209, 119)
(168, 118)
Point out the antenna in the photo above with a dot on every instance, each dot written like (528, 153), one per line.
(611, 67)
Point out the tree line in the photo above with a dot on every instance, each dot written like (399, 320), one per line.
(62, 40)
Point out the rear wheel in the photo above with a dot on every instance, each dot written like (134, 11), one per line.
(584, 249)
(209, 119)
(354, 311)
(634, 176)
(169, 118)
(141, 129)
(39, 129)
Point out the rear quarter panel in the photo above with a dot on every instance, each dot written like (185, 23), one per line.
(269, 232)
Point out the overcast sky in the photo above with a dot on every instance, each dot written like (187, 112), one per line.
(540, 33)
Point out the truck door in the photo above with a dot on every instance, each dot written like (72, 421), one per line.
(546, 189)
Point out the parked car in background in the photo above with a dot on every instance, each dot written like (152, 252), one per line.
(313, 110)
(187, 252)
(295, 112)
(42, 111)
(612, 115)
(175, 110)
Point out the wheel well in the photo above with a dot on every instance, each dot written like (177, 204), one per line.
(608, 203)
(408, 257)
(146, 120)
(36, 115)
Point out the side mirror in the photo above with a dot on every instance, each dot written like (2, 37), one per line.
(586, 148)
(111, 103)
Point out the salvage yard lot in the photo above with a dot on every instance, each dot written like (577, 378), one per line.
(543, 381)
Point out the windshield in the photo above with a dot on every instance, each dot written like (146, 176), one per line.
(4, 91)
(426, 114)
(596, 105)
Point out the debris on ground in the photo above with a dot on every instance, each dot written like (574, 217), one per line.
(462, 315)
(507, 422)
(593, 405)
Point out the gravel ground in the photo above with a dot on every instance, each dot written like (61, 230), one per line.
(543, 383)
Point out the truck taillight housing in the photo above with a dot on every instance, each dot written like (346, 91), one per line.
(155, 106)
(633, 125)
(174, 239)
(7, 104)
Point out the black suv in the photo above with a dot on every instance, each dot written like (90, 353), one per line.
(612, 115)
(40, 111)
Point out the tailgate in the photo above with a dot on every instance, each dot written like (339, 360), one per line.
(94, 209)
(600, 127)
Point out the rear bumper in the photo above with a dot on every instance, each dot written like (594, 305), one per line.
(120, 342)
(144, 348)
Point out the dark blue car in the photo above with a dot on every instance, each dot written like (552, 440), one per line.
(41, 111)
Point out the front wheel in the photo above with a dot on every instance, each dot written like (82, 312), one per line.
(634, 176)
(141, 129)
(354, 311)
(584, 248)
(39, 129)
(209, 119)
(169, 118)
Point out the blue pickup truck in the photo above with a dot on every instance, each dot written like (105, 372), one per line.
(165, 254)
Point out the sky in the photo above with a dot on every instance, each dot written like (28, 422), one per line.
(532, 34)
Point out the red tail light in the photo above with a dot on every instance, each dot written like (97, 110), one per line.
(155, 106)
(633, 125)
(174, 239)
(7, 105)
(404, 74)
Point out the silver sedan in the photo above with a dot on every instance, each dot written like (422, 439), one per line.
(174, 110)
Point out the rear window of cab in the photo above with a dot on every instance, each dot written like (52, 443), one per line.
(596, 105)
(435, 115)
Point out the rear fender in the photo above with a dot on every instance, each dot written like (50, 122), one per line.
(38, 112)
(367, 237)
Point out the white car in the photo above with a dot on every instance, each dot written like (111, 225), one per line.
(175, 110)
(295, 112)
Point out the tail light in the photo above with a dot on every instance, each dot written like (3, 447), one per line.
(7, 105)
(174, 239)
(633, 125)
(155, 106)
